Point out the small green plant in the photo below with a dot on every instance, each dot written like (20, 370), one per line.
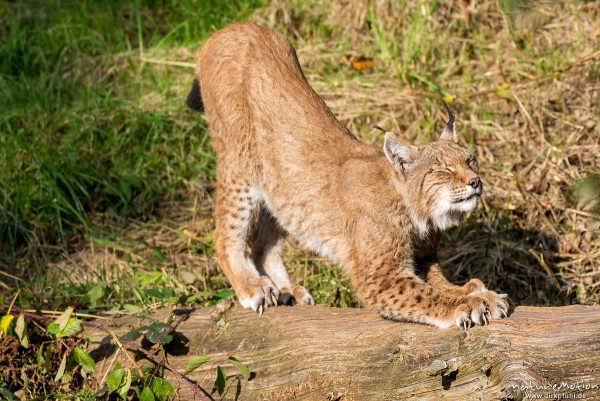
(155, 332)
(220, 377)
(144, 384)
(127, 383)
(147, 384)
(50, 360)
(53, 360)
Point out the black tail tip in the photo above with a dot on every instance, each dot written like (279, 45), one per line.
(194, 98)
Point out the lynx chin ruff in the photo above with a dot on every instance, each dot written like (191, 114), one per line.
(286, 165)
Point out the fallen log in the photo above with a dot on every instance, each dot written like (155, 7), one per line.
(322, 353)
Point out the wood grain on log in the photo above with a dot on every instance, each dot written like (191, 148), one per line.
(321, 353)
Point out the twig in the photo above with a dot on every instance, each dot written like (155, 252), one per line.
(110, 365)
(528, 117)
(120, 345)
(542, 262)
(10, 275)
(167, 365)
(167, 62)
(12, 302)
(54, 312)
(582, 213)
(539, 206)
(193, 387)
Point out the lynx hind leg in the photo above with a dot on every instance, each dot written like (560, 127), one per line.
(269, 239)
(302, 296)
(236, 206)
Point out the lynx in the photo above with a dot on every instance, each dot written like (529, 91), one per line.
(286, 165)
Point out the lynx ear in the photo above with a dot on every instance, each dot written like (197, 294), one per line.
(400, 154)
(449, 133)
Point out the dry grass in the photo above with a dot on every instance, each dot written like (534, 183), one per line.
(527, 99)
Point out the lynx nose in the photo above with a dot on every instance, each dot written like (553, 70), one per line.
(475, 183)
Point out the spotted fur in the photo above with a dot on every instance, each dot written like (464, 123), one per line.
(286, 165)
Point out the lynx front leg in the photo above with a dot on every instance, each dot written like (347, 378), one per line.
(436, 278)
(408, 298)
(266, 251)
(498, 307)
(236, 206)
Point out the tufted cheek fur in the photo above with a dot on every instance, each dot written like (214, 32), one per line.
(438, 186)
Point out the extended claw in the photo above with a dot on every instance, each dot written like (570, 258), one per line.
(465, 325)
(488, 316)
(260, 309)
(485, 319)
(273, 297)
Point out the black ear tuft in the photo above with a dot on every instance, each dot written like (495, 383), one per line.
(449, 133)
(194, 98)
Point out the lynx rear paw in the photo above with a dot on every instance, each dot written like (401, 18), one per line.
(299, 295)
(260, 296)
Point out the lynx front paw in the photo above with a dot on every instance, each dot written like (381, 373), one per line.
(497, 304)
(475, 286)
(473, 310)
(299, 295)
(259, 296)
(480, 309)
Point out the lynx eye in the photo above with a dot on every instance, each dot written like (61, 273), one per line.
(441, 166)
(472, 162)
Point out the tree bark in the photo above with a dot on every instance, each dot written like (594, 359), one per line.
(321, 353)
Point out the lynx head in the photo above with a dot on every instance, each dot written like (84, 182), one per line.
(441, 178)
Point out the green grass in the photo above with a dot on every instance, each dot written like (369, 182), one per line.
(74, 138)
(81, 136)
(98, 152)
